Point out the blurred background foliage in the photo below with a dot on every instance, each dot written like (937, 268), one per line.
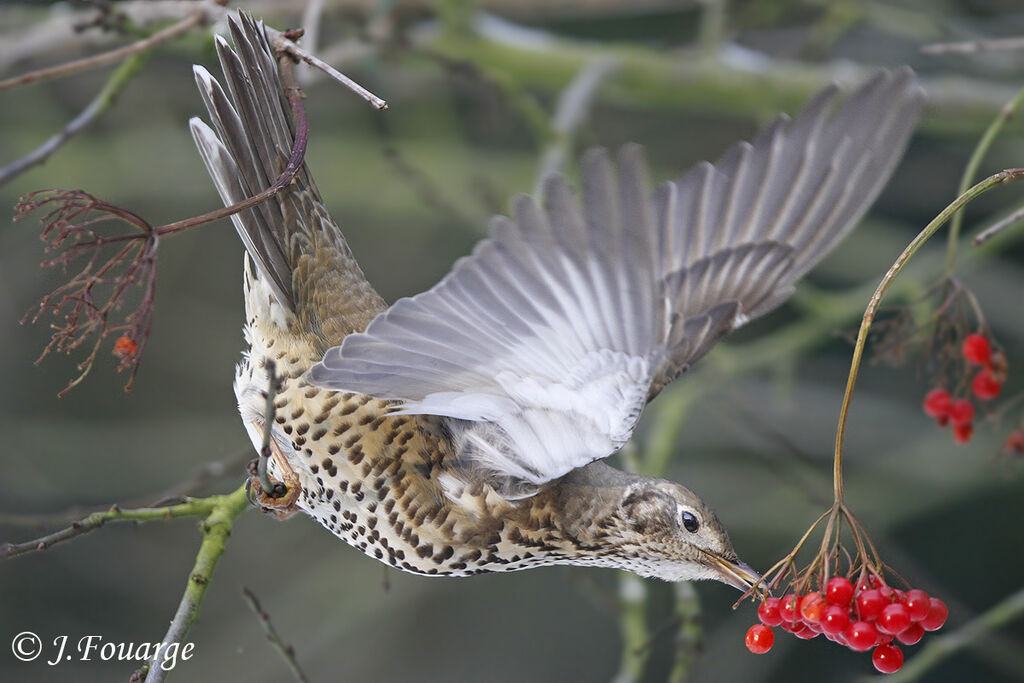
(471, 89)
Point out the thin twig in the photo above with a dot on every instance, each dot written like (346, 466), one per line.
(101, 103)
(287, 651)
(295, 162)
(85, 318)
(283, 44)
(972, 46)
(997, 227)
(216, 528)
(192, 508)
(175, 495)
(421, 183)
(971, 170)
(876, 299)
(273, 386)
(234, 464)
(96, 61)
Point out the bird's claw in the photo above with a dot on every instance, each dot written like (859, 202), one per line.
(281, 498)
(280, 501)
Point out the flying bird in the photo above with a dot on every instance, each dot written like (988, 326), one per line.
(464, 430)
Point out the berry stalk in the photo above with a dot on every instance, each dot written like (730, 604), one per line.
(992, 181)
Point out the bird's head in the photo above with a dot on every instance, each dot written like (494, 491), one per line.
(670, 533)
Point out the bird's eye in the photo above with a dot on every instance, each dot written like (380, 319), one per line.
(690, 522)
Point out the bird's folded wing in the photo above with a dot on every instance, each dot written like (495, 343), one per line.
(554, 333)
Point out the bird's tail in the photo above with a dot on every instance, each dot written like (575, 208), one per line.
(299, 252)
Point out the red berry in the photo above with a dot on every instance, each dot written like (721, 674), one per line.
(812, 606)
(887, 658)
(768, 612)
(860, 636)
(759, 639)
(834, 620)
(787, 608)
(985, 386)
(792, 627)
(805, 632)
(125, 346)
(912, 635)
(937, 613)
(870, 604)
(962, 412)
(867, 582)
(938, 403)
(962, 433)
(977, 349)
(839, 591)
(918, 604)
(894, 619)
(1015, 442)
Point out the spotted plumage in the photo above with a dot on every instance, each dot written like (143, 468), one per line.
(463, 430)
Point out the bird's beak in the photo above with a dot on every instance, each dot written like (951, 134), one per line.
(737, 574)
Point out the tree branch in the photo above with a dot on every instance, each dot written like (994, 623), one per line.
(632, 628)
(284, 44)
(128, 70)
(216, 528)
(735, 79)
(197, 17)
(971, 171)
(689, 633)
(287, 651)
(997, 227)
(974, 46)
(199, 507)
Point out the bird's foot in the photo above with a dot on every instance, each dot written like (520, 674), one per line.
(280, 499)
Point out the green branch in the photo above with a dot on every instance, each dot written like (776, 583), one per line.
(689, 632)
(971, 171)
(632, 628)
(200, 507)
(106, 98)
(666, 79)
(216, 528)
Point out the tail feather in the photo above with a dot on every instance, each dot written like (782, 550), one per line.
(298, 249)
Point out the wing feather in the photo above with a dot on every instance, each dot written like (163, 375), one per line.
(542, 347)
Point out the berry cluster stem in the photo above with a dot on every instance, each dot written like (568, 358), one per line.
(980, 188)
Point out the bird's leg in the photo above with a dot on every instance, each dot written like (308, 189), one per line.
(280, 500)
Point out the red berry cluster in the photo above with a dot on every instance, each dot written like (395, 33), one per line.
(985, 386)
(960, 413)
(869, 616)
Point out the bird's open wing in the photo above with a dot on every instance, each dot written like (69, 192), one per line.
(552, 336)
